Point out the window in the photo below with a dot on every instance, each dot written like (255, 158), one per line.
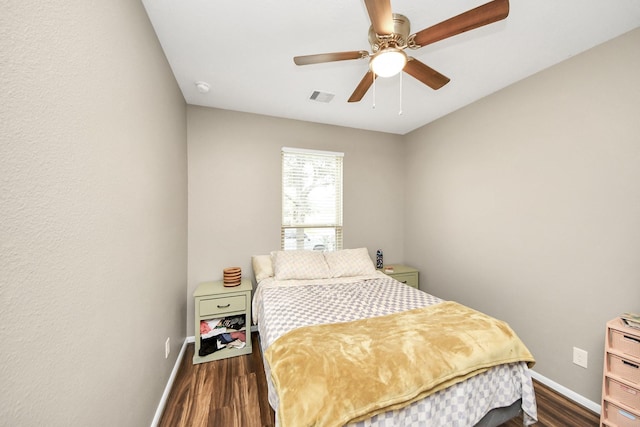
(311, 199)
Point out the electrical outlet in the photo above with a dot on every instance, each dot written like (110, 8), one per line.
(580, 357)
(167, 347)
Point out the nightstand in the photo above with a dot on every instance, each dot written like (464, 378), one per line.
(404, 274)
(213, 300)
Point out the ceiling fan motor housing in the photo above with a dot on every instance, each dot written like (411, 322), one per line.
(398, 38)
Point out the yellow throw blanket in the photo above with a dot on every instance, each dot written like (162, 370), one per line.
(333, 374)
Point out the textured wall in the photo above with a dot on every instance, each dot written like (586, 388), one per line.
(93, 214)
(235, 187)
(526, 205)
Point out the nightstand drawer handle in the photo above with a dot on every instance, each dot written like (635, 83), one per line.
(224, 306)
(633, 365)
(404, 281)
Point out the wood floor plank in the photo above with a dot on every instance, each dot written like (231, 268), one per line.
(224, 416)
(245, 399)
(555, 410)
(233, 393)
(176, 413)
(267, 415)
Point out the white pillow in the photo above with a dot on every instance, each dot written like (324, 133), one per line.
(262, 267)
(300, 265)
(350, 262)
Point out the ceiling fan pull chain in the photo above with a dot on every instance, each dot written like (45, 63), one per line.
(400, 112)
(374, 90)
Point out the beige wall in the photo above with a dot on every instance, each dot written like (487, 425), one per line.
(234, 188)
(526, 205)
(93, 209)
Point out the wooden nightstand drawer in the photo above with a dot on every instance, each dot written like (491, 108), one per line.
(410, 279)
(216, 306)
(403, 273)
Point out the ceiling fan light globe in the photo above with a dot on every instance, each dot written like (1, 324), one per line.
(388, 62)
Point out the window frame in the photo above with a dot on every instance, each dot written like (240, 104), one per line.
(300, 227)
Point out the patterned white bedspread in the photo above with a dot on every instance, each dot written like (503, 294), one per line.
(280, 306)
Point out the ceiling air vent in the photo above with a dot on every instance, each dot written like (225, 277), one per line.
(321, 96)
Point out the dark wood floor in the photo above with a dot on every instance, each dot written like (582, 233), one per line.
(233, 393)
(554, 410)
(229, 392)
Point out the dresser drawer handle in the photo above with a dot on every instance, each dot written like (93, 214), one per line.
(224, 306)
(626, 414)
(404, 281)
(630, 338)
(633, 365)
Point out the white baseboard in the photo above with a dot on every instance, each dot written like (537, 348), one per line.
(167, 388)
(570, 394)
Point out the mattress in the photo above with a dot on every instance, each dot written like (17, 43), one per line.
(279, 306)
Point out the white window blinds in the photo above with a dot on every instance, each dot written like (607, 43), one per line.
(311, 199)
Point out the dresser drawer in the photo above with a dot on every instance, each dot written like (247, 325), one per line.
(625, 343)
(619, 416)
(223, 305)
(623, 368)
(619, 392)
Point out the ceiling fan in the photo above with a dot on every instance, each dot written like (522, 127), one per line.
(389, 36)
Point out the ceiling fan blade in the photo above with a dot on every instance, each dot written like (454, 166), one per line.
(469, 20)
(425, 74)
(362, 87)
(380, 15)
(330, 57)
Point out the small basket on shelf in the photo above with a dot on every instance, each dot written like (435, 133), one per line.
(232, 276)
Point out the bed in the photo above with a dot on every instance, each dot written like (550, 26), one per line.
(345, 344)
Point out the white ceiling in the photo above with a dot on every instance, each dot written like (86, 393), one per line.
(244, 50)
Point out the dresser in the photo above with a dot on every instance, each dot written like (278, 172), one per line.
(621, 378)
(404, 274)
(213, 300)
